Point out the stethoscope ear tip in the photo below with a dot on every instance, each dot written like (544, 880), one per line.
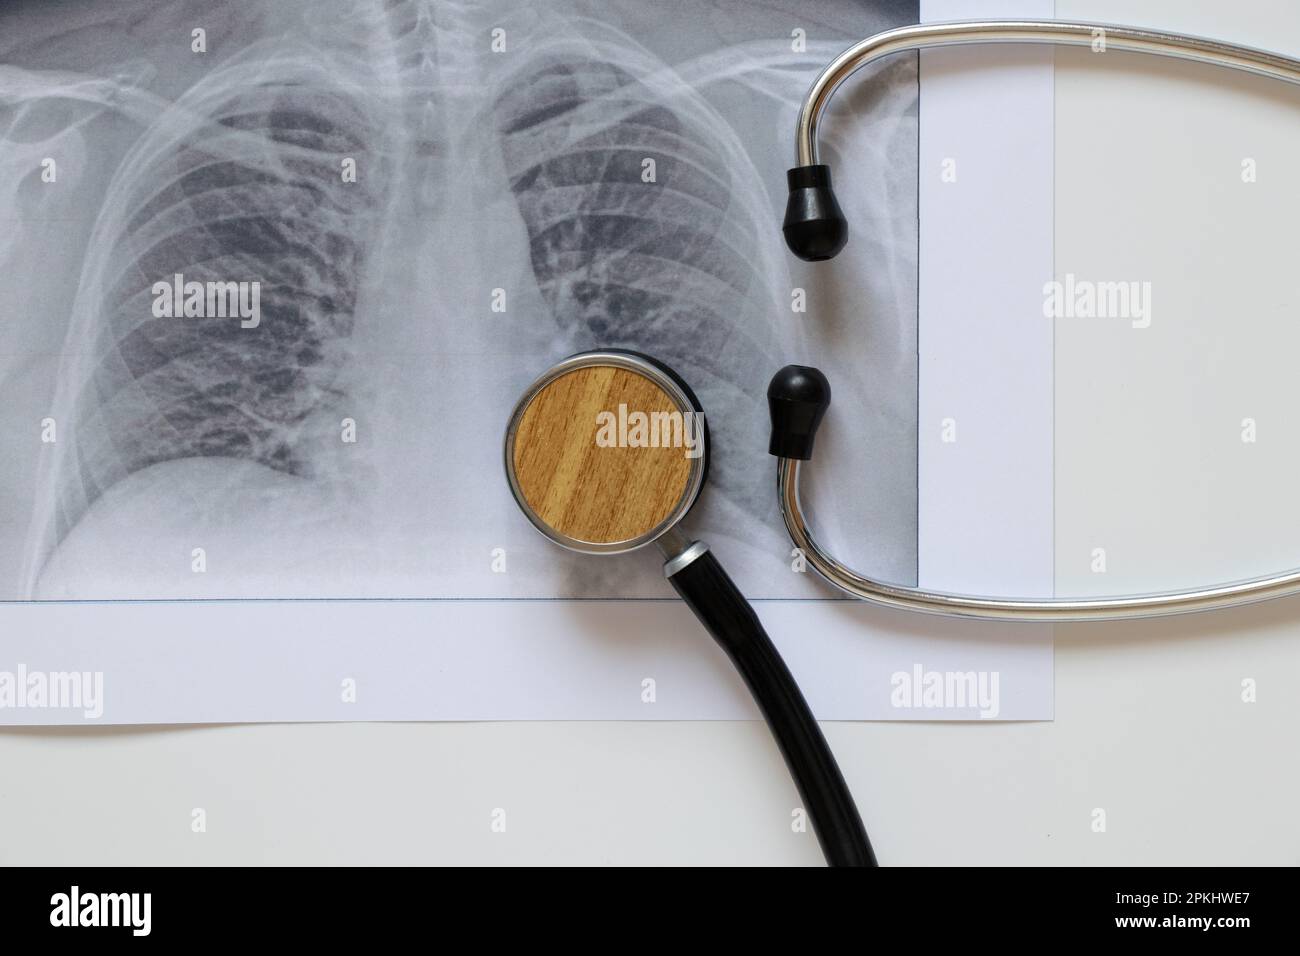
(797, 398)
(814, 227)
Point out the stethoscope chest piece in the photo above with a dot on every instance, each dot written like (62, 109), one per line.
(606, 452)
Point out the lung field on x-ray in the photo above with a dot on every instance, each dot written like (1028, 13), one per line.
(250, 193)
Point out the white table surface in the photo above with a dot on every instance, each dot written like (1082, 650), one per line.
(1150, 728)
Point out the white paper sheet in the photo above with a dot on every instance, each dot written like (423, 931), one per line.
(201, 661)
(469, 660)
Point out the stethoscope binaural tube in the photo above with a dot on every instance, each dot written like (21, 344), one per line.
(594, 502)
(815, 228)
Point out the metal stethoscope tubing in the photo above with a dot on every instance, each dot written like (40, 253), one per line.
(815, 230)
(1045, 610)
(1060, 33)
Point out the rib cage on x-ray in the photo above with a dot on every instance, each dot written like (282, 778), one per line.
(647, 222)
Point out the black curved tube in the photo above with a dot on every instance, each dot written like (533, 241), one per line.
(723, 610)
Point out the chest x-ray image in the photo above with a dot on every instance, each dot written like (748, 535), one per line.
(273, 273)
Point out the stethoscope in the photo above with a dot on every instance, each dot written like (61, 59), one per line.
(591, 484)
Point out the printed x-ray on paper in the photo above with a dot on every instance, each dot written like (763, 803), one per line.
(274, 272)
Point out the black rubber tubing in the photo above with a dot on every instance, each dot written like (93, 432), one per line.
(725, 613)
